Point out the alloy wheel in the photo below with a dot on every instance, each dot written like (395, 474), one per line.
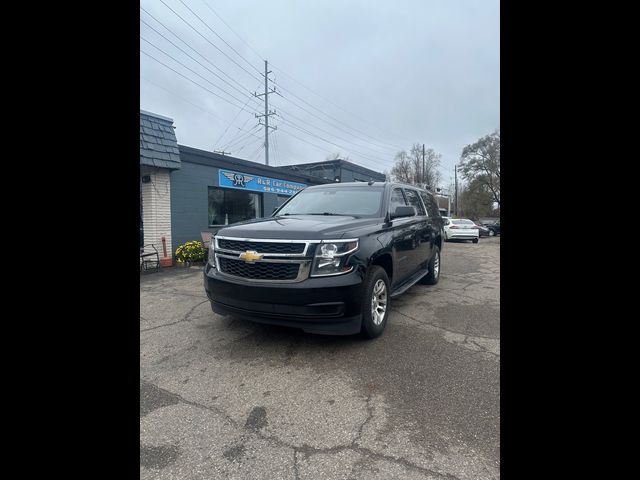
(379, 302)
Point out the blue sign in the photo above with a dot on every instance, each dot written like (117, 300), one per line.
(245, 181)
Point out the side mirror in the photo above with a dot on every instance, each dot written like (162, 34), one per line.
(404, 211)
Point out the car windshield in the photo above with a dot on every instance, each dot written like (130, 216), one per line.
(462, 222)
(356, 201)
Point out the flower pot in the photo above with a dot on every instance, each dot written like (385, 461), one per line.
(166, 262)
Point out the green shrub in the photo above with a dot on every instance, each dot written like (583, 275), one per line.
(193, 251)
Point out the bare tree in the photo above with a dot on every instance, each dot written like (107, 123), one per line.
(481, 164)
(337, 156)
(402, 170)
(408, 167)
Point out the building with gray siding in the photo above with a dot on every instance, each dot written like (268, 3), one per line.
(211, 190)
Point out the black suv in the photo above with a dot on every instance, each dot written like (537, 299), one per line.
(329, 260)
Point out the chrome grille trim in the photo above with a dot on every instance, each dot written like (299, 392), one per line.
(303, 269)
(304, 253)
(304, 259)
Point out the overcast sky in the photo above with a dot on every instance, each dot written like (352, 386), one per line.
(379, 75)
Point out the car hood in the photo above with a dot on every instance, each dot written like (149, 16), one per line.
(298, 227)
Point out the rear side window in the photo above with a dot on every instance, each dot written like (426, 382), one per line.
(397, 199)
(414, 199)
(431, 204)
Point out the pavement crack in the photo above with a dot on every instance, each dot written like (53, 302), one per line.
(185, 318)
(482, 349)
(192, 309)
(295, 465)
(367, 420)
(422, 322)
(217, 411)
(160, 326)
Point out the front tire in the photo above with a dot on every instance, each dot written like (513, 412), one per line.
(375, 303)
(492, 233)
(475, 240)
(435, 263)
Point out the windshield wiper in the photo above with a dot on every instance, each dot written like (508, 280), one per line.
(330, 213)
(323, 213)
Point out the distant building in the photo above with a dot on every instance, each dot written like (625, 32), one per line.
(337, 171)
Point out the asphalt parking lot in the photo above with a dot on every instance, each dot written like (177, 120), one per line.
(224, 398)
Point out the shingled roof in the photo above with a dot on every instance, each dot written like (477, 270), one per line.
(158, 143)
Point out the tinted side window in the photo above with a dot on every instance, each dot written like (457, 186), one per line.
(414, 199)
(431, 204)
(397, 199)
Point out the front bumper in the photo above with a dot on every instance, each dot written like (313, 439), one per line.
(326, 305)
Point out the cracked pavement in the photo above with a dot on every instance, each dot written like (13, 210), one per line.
(225, 398)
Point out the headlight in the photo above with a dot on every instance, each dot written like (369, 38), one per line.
(212, 252)
(331, 257)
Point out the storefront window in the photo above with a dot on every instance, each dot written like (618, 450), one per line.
(228, 206)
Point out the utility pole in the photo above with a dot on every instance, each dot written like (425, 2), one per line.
(423, 170)
(455, 172)
(267, 112)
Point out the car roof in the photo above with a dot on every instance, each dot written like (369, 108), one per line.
(367, 184)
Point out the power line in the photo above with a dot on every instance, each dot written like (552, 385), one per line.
(335, 119)
(318, 147)
(336, 105)
(213, 44)
(216, 34)
(349, 151)
(314, 115)
(191, 70)
(256, 151)
(181, 98)
(187, 78)
(232, 121)
(236, 34)
(241, 129)
(332, 134)
(248, 142)
(292, 78)
(244, 136)
(240, 133)
(245, 92)
(235, 98)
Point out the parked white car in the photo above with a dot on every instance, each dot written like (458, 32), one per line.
(460, 229)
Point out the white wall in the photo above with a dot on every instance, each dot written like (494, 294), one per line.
(156, 208)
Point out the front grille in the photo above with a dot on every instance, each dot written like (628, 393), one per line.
(259, 270)
(261, 247)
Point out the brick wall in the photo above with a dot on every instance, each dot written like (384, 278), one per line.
(156, 208)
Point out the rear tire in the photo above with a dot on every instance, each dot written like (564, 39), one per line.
(491, 233)
(475, 240)
(375, 298)
(435, 265)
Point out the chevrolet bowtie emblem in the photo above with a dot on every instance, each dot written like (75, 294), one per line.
(250, 256)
